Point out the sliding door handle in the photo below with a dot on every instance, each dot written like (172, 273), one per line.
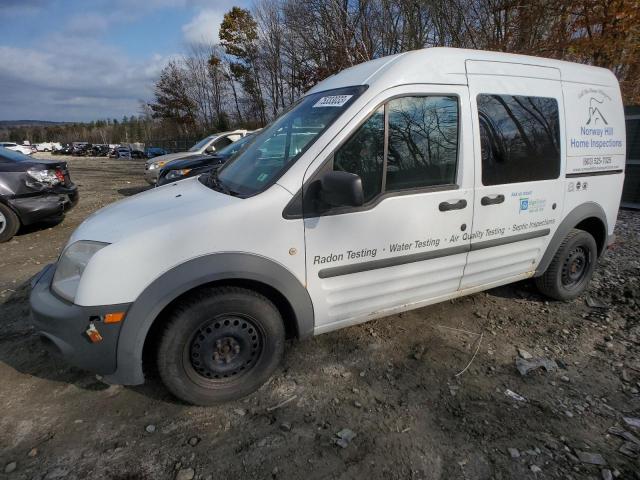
(492, 200)
(446, 206)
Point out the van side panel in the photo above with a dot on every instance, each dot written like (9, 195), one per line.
(596, 147)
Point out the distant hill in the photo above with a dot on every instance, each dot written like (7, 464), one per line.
(28, 123)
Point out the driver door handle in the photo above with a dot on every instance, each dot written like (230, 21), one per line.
(492, 200)
(446, 206)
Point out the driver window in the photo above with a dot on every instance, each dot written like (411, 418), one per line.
(221, 143)
(363, 154)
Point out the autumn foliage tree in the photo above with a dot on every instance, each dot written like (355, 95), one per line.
(270, 55)
(171, 99)
(239, 38)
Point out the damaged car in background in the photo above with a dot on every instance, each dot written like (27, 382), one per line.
(32, 191)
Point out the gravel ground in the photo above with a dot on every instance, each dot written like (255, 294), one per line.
(379, 401)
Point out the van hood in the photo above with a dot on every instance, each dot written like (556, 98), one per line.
(150, 210)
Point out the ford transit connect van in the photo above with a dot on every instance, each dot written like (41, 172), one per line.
(395, 184)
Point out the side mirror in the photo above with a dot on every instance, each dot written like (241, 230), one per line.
(341, 189)
(210, 149)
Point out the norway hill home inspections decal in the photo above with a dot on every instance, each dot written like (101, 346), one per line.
(595, 129)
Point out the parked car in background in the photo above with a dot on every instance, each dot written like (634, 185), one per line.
(25, 149)
(63, 150)
(100, 150)
(48, 146)
(195, 165)
(120, 152)
(80, 148)
(138, 154)
(31, 191)
(152, 152)
(210, 144)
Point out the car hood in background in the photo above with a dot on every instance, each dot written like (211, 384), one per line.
(169, 157)
(142, 213)
(195, 161)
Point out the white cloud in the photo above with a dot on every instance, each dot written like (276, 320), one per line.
(204, 27)
(69, 80)
(74, 75)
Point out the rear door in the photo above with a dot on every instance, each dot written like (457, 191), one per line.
(517, 113)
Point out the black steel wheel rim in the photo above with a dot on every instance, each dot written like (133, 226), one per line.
(225, 348)
(575, 267)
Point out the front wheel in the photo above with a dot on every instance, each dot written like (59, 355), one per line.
(572, 267)
(220, 344)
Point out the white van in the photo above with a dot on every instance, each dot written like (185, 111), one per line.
(395, 184)
(48, 146)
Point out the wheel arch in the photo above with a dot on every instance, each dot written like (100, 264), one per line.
(251, 271)
(589, 217)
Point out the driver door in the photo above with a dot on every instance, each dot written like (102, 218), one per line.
(407, 245)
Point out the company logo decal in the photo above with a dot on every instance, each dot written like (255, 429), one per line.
(595, 133)
(528, 204)
(595, 114)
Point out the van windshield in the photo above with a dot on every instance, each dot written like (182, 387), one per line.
(280, 144)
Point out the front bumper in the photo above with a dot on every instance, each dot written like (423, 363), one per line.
(62, 326)
(44, 206)
(151, 175)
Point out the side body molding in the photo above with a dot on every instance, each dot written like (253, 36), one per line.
(189, 275)
(573, 218)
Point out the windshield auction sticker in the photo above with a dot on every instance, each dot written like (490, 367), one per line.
(333, 101)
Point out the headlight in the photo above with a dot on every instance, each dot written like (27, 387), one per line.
(46, 177)
(156, 165)
(177, 173)
(71, 265)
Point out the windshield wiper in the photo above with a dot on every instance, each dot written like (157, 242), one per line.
(217, 184)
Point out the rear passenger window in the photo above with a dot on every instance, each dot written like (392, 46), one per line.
(520, 138)
(423, 142)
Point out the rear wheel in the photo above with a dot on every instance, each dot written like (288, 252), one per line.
(219, 345)
(9, 223)
(572, 267)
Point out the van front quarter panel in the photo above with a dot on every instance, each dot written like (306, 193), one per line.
(168, 226)
(195, 273)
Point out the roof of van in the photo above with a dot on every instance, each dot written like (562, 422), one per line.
(449, 66)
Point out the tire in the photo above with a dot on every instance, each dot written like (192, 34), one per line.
(220, 344)
(572, 267)
(9, 223)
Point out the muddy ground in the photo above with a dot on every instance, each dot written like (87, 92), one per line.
(391, 382)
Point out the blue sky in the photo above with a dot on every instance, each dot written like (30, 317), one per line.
(78, 60)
